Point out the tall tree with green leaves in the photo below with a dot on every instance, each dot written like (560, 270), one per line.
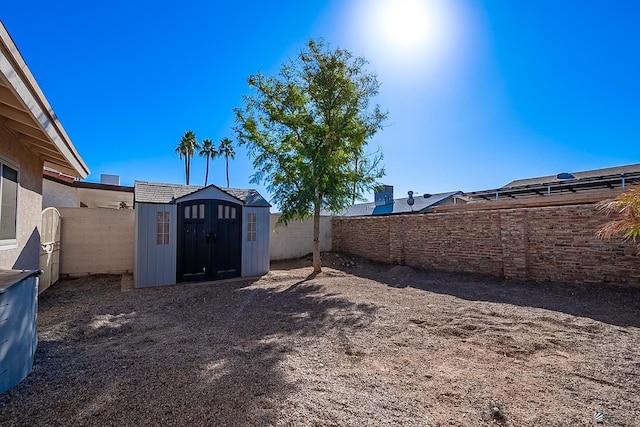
(226, 149)
(307, 127)
(367, 165)
(209, 152)
(186, 149)
(626, 209)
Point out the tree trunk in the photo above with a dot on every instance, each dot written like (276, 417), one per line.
(355, 182)
(206, 175)
(226, 162)
(188, 167)
(316, 237)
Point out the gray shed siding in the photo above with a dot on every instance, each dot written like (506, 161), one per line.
(255, 254)
(154, 264)
(157, 264)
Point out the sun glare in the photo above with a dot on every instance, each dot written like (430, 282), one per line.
(416, 36)
(408, 24)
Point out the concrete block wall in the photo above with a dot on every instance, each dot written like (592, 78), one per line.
(96, 241)
(101, 241)
(542, 244)
(296, 239)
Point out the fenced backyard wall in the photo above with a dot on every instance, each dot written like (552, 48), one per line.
(101, 241)
(296, 239)
(96, 241)
(554, 243)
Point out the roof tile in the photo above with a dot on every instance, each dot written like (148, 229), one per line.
(155, 192)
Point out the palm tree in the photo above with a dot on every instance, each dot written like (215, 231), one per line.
(226, 149)
(209, 152)
(186, 149)
(626, 208)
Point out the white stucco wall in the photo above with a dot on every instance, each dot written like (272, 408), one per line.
(296, 239)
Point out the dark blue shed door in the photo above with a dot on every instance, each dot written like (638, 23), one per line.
(209, 240)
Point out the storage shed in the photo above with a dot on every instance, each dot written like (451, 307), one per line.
(190, 233)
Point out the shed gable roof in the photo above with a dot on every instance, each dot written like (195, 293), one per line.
(155, 192)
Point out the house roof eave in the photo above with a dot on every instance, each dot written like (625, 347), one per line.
(28, 113)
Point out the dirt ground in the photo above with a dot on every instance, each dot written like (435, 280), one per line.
(359, 344)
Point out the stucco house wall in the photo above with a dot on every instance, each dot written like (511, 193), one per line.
(31, 137)
(24, 253)
(59, 195)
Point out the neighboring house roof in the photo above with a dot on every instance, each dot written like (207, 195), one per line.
(83, 194)
(64, 179)
(399, 206)
(54, 175)
(25, 111)
(155, 192)
(592, 175)
(586, 181)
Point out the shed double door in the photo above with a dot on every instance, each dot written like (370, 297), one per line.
(209, 240)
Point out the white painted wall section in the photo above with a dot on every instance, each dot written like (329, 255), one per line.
(296, 239)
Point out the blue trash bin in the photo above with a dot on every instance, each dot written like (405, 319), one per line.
(18, 325)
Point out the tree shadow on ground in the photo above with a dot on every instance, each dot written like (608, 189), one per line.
(608, 303)
(204, 354)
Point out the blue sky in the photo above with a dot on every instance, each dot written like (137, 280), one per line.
(479, 93)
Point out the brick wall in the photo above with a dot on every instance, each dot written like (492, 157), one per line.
(364, 236)
(543, 243)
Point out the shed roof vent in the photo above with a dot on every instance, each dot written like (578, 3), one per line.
(565, 175)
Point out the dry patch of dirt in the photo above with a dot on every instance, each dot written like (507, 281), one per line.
(359, 344)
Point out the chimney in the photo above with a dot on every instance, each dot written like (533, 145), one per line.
(109, 179)
(383, 195)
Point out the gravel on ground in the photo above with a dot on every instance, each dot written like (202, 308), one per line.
(359, 344)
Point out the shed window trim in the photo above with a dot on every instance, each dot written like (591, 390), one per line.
(9, 185)
(163, 219)
(252, 223)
